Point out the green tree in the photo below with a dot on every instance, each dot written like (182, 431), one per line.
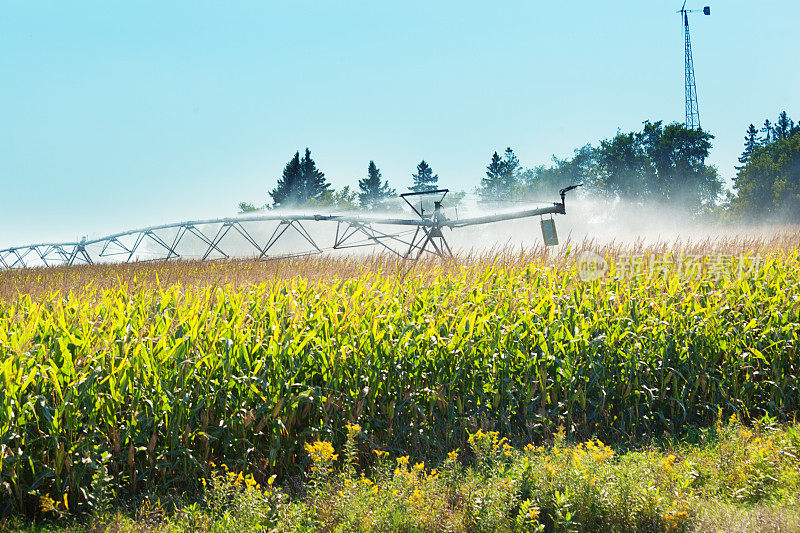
(502, 181)
(300, 183)
(769, 182)
(623, 168)
(373, 192)
(665, 164)
(344, 199)
(750, 144)
(545, 181)
(245, 207)
(424, 179)
(288, 190)
(783, 127)
(768, 131)
(678, 155)
(454, 198)
(314, 185)
(490, 183)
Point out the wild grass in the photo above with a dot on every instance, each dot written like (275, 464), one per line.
(734, 478)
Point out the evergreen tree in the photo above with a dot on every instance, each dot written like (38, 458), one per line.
(750, 144)
(424, 179)
(490, 184)
(510, 176)
(288, 189)
(300, 183)
(374, 192)
(769, 183)
(768, 131)
(502, 178)
(313, 183)
(783, 128)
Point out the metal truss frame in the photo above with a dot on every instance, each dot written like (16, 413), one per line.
(409, 238)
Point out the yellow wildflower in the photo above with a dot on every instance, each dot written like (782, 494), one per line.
(415, 498)
(321, 451)
(47, 503)
(533, 513)
(353, 430)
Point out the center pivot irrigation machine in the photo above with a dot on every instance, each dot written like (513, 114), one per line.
(213, 238)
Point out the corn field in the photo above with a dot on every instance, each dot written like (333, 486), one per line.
(147, 385)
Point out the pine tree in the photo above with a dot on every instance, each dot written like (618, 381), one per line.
(750, 144)
(767, 184)
(768, 131)
(301, 182)
(313, 184)
(490, 184)
(424, 179)
(502, 177)
(373, 193)
(287, 191)
(783, 128)
(510, 176)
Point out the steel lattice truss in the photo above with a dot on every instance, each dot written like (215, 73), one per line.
(210, 239)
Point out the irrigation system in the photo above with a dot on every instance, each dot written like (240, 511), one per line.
(409, 235)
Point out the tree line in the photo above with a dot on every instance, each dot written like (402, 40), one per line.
(302, 184)
(767, 181)
(659, 164)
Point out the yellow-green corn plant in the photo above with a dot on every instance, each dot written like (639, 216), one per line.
(151, 386)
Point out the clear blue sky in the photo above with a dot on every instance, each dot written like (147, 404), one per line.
(123, 114)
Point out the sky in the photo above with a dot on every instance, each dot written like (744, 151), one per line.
(117, 115)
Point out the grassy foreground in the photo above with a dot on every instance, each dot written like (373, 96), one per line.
(733, 479)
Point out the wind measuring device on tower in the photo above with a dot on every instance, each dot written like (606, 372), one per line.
(692, 109)
(408, 235)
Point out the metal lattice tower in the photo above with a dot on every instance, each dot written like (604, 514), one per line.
(692, 110)
(692, 116)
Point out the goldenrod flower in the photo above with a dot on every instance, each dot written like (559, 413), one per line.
(353, 430)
